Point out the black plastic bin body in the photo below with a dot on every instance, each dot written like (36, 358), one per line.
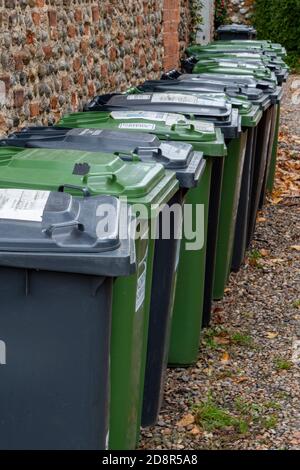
(236, 31)
(188, 166)
(56, 282)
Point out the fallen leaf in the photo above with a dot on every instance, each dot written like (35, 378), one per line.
(271, 335)
(227, 289)
(218, 309)
(195, 431)
(295, 440)
(276, 200)
(222, 339)
(225, 357)
(296, 247)
(239, 380)
(260, 220)
(264, 252)
(187, 420)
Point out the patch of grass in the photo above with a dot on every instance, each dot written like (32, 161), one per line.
(254, 256)
(242, 339)
(257, 413)
(209, 335)
(296, 303)
(210, 417)
(270, 422)
(210, 343)
(282, 395)
(283, 364)
(251, 410)
(274, 405)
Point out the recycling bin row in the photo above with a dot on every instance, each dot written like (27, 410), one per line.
(98, 304)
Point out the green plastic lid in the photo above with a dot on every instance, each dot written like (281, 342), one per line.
(204, 136)
(264, 44)
(7, 153)
(240, 46)
(88, 173)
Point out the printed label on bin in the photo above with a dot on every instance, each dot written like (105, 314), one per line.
(149, 115)
(235, 65)
(141, 283)
(248, 55)
(174, 119)
(178, 251)
(168, 118)
(92, 132)
(175, 151)
(137, 126)
(201, 126)
(139, 97)
(175, 98)
(19, 204)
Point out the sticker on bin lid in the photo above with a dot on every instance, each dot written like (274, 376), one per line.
(235, 65)
(20, 204)
(144, 126)
(201, 126)
(178, 150)
(83, 132)
(248, 54)
(175, 98)
(139, 97)
(168, 118)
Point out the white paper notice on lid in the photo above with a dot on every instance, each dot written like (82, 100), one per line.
(142, 126)
(175, 119)
(175, 98)
(201, 126)
(139, 97)
(85, 132)
(168, 118)
(148, 115)
(229, 64)
(22, 204)
(176, 151)
(236, 65)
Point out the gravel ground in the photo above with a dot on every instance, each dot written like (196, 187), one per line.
(244, 391)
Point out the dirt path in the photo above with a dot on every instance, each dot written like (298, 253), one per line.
(244, 392)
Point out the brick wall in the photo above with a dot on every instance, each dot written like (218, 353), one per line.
(176, 31)
(56, 54)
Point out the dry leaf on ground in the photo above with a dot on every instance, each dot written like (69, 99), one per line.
(187, 420)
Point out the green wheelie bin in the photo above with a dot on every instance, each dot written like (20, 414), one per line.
(192, 175)
(149, 185)
(205, 138)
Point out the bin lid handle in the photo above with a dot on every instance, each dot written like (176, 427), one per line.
(71, 223)
(183, 125)
(111, 177)
(130, 156)
(85, 191)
